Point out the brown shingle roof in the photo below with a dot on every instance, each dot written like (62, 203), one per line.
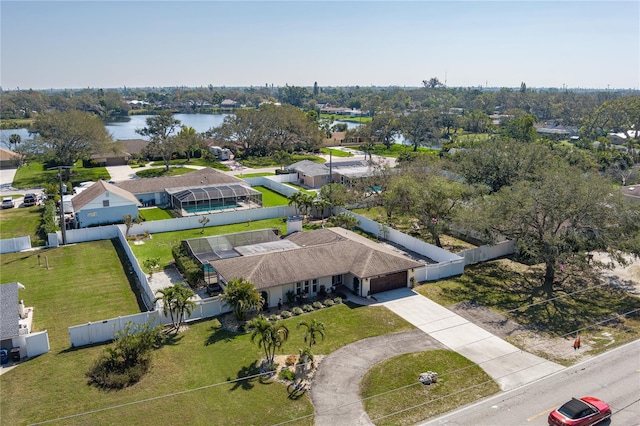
(7, 154)
(91, 193)
(197, 178)
(322, 253)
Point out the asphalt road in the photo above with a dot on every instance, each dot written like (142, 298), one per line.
(613, 377)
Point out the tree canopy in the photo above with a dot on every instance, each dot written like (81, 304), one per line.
(160, 129)
(68, 136)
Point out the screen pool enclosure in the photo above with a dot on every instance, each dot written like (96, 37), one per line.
(207, 249)
(211, 199)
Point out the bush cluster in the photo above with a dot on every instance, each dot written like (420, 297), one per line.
(285, 314)
(48, 224)
(297, 311)
(188, 267)
(307, 308)
(286, 374)
(328, 302)
(291, 360)
(128, 360)
(317, 305)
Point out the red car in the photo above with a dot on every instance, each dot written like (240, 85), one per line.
(585, 411)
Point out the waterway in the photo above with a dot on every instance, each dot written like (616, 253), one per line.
(126, 129)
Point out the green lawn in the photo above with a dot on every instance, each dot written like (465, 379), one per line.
(195, 162)
(34, 175)
(392, 387)
(259, 162)
(302, 189)
(336, 152)
(160, 244)
(161, 171)
(397, 149)
(155, 213)
(271, 198)
(85, 282)
(251, 175)
(205, 356)
(19, 222)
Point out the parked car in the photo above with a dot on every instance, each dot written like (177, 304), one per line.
(7, 203)
(30, 200)
(585, 411)
(4, 356)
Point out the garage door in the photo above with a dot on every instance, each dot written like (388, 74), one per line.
(389, 282)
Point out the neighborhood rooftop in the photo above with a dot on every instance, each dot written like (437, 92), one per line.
(197, 178)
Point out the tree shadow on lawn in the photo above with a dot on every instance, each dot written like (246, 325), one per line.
(517, 295)
(218, 334)
(246, 377)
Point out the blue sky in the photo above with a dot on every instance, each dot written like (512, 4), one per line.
(75, 44)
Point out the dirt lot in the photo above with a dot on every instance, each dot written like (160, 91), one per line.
(559, 349)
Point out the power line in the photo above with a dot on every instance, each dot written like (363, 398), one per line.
(370, 397)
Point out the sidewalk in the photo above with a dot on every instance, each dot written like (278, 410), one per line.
(508, 365)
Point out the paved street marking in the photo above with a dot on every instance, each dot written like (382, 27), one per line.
(544, 413)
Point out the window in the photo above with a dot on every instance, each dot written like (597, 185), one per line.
(336, 280)
(302, 287)
(298, 289)
(105, 203)
(314, 287)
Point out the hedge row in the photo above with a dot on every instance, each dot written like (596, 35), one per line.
(48, 224)
(190, 269)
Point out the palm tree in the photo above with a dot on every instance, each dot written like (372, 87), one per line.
(242, 296)
(314, 329)
(176, 301)
(270, 336)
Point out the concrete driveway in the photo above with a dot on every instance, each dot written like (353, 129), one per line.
(509, 366)
(336, 385)
(6, 178)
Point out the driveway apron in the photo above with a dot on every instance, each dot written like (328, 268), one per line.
(336, 385)
(508, 365)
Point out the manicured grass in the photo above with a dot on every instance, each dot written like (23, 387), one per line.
(205, 356)
(85, 282)
(160, 244)
(250, 175)
(335, 117)
(161, 171)
(259, 162)
(35, 175)
(20, 222)
(155, 213)
(16, 123)
(271, 198)
(195, 162)
(336, 152)
(302, 189)
(396, 149)
(393, 386)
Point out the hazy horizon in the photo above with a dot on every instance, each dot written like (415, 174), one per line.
(489, 44)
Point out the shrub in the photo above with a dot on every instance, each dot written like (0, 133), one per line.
(337, 300)
(128, 360)
(317, 305)
(297, 311)
(192, 272)
(273, 318)
(48, 224)
(328, 302)
(286, 374)
(286, 314)
(307, 308)
(291, 359)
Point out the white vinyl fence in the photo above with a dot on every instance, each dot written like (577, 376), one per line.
(488, 252)
(448, 264)
(12, 245)
(103, 331)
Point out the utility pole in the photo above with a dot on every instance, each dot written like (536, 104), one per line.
(63, 225)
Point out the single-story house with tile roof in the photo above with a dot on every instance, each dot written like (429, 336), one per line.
(103, 203)
(15, 325)
(315, 175)
(202, 190)
(9, 159)
(122, 152)
(303, 262)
